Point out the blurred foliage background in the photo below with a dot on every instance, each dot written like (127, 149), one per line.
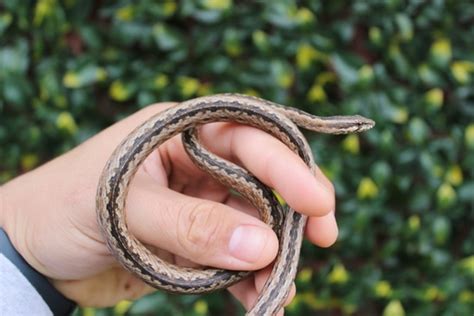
(405, 189)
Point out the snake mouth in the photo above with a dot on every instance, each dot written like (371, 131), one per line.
(364, 123)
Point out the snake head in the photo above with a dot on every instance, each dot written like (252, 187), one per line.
(362, 124)
(347, 124)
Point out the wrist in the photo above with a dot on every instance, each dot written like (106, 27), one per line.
(7, 217)
(58, 304)
(12, 221)
(13, 248)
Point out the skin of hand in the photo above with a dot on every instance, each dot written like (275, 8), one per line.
(176, 209)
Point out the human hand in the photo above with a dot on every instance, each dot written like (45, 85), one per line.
(182, 213)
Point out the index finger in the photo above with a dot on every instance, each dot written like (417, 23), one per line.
(273, 163)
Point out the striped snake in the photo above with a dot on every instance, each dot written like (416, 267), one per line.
(277, 120)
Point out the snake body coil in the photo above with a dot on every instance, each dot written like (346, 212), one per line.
(289, 225)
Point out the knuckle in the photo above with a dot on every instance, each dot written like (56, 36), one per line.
(157, 107)
(201, 229)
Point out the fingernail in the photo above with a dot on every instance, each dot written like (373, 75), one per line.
(247, 242)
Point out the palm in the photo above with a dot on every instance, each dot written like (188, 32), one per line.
(167, 167)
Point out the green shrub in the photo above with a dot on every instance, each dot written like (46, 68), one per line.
(405, 189)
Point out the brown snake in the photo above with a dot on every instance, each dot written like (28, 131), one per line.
(289, 225)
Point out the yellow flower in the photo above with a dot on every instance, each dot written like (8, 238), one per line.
(160, 81)
(434, 97)
(169, 8)
(461, 70)
(118, 91)
(188, 86)
(366, 73)
(400, 115)
(467, 264)
(375, 35)
(394, 308)
(71, 80)
(305, 275)
(251, 92)
(100, 74)
(204, 89)
(383, 289)
(441, 47)
(367, 189)
(65, 121)
(316, 93)
(446, 195)
(60, 101)
(441, 50)
(349, 308)
(6, 19)
(285, 78)
(233, 48)
(433, 293)
(125, 13)
(43, 9)
(466, 297)
(310, 299)
(394, 49)
(29, 161)
(305, 55)
(338, 274)
(469, 136)
(122, 307)
(304, 16)
(218, 5)
(414, 222)
(454, 175)
(88, 311)
(260, 39)
(201, 308)
(326, 77)
(351, 144)
(459, 73)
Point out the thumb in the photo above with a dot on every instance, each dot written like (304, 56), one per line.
(205, 232)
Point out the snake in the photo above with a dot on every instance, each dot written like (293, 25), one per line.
(186, 118)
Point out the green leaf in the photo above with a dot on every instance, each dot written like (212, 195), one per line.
(14, 59)
(165, 37)
(405, 26)
(346, 71)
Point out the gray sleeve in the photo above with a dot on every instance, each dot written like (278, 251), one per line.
(18, 296)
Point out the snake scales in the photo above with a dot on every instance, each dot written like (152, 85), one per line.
(279, 121)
